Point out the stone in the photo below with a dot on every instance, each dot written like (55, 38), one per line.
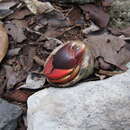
(120, 14)
(9, 114)
(95, 105)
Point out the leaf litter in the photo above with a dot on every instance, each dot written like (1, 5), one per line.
(34, 31)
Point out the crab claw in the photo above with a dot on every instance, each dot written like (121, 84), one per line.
(64, 65)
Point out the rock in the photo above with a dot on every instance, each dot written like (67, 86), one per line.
(9, 114)
(120, 14)
(96, 105)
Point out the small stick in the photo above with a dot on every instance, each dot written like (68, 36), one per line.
(38, 60)
(109, 73)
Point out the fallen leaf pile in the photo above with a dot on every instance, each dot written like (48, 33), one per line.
(31, 29)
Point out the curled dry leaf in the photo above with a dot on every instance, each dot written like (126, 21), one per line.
(75, 17)
(13, 77)
(119, 32)
(3, 42)
(18, 95)
(5, 8)
(126, 32)
(38, 7)
(16, 30)
(96, 14)
(106, 3)
(52, 24)
(109, 50)
(34, 81)
(13, 52)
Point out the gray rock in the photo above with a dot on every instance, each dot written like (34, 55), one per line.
(96, 105)
(9, 114)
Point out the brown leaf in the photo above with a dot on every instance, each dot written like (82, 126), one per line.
(53, 24)
(20, 14)
(126, 32)
(18, 95)
(13, 77)
(5, 8)
(96, 14)
(113, 50)
(107, 3)
(117, 31)
(26, 57)
(75, 17)
(3, 42)
(3, 80)
(114, 31)
(16, 30)
(37, 7)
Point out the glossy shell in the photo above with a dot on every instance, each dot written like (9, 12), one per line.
(68, 64)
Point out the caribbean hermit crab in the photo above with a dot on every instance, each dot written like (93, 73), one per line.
(68, 64)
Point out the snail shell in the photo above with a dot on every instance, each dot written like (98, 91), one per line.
(68, 64)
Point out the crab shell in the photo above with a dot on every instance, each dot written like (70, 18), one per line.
(68, 64)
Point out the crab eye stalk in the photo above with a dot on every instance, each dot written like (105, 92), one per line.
(68, 64)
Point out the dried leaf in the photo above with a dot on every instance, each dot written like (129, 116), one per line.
(109, 73)
(96, 14)
(34, 81)
(5, 8)
(126, 32)
(13, 52)
(106, 3)
(13, 77)
(118, 32)
(3, 42)
(16, 30)
(54, 24)
(3, 81)
(18, 95)
(26, 57)
(114, 31)
(20, 14)
(75, 17)
(38, 7)
(112, 50)
(52, 43)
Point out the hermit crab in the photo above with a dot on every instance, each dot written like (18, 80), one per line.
(68, 64)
